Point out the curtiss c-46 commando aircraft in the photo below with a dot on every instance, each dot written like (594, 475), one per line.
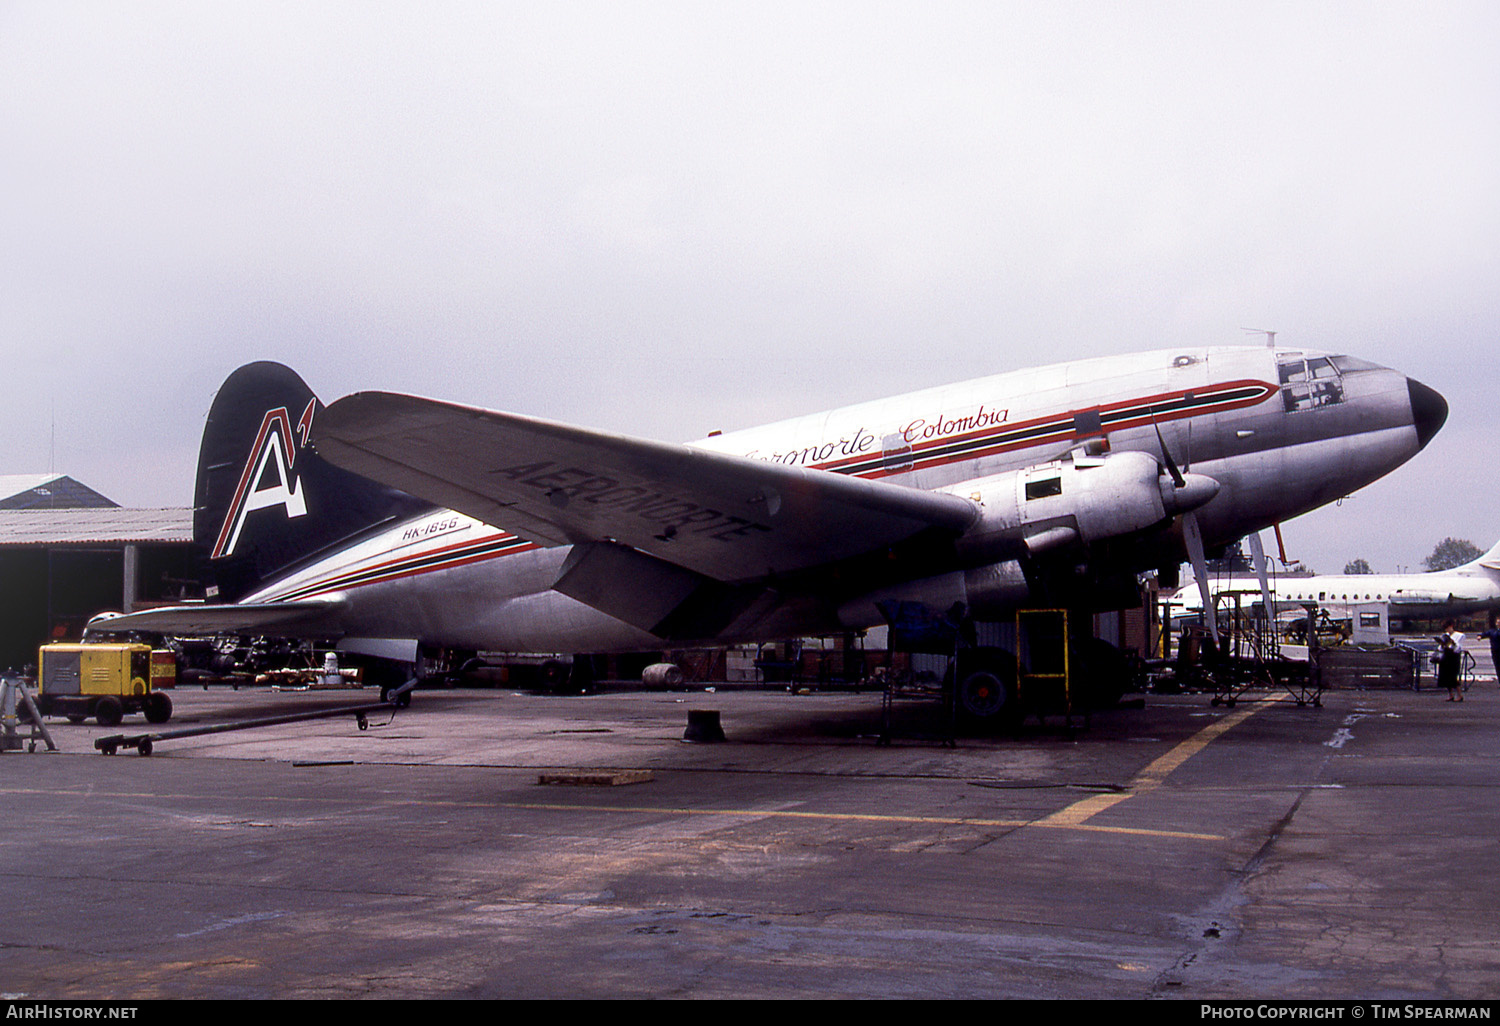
(399, 524)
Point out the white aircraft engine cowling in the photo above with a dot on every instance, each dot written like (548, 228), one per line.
(1076, 500)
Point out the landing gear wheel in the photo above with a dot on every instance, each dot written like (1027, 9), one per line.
(986, 701)
(985, 693)
(982, 695)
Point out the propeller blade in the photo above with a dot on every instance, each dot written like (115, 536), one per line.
(1258, 557)
(1193, 535)
(1166, 455)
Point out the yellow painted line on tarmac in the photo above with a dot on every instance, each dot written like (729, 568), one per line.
(1080, 811)
(1077, 815)
(1073, 817)
(667, 810)
(853, 817)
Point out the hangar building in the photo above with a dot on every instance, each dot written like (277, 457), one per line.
(67, 552)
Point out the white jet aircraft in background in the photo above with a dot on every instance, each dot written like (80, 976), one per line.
(1473, 587)
(399, 525)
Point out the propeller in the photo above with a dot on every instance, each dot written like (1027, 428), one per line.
(1192, 533)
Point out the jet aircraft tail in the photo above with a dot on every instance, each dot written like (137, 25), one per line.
(264, 501)
(1489, 561)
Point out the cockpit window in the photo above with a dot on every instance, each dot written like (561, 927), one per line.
(1309, 382)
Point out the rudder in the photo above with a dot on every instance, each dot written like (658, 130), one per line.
(264, 502)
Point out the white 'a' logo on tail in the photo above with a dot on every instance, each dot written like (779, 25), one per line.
(267, 479)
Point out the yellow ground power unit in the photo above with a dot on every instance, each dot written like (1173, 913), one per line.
(103, 681)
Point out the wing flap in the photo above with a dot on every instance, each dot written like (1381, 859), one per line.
(730, 518)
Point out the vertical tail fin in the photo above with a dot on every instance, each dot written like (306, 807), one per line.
(264, 501)
(1490, 560)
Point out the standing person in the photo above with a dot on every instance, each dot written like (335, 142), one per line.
(1494, 635)
(1450, 655)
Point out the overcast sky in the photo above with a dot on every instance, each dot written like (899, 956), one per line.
(665, 218)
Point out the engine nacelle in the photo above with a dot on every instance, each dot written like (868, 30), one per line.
(983, 591)
(1082, 500)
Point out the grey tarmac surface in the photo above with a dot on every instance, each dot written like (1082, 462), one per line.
(1178, 851)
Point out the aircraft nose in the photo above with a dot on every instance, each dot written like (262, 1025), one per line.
(1428, 410)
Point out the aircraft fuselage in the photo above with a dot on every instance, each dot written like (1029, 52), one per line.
(1281, 433)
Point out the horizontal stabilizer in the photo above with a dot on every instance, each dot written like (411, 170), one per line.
(315, 619)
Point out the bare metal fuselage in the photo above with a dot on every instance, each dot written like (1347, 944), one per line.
(1278, 436)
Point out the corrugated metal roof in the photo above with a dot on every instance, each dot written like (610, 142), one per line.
(115, 525)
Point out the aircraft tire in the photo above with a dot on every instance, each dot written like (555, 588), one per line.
(982, 694)
(986, 693)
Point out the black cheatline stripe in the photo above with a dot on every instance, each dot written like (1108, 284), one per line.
(428, 561)
(1064, 424)
(1196, 401)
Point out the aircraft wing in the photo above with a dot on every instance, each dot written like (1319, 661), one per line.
(728, 518)
(283, 619)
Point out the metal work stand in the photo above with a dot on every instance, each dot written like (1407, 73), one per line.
(1250, 657)
(14, 698)
(914, 629)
